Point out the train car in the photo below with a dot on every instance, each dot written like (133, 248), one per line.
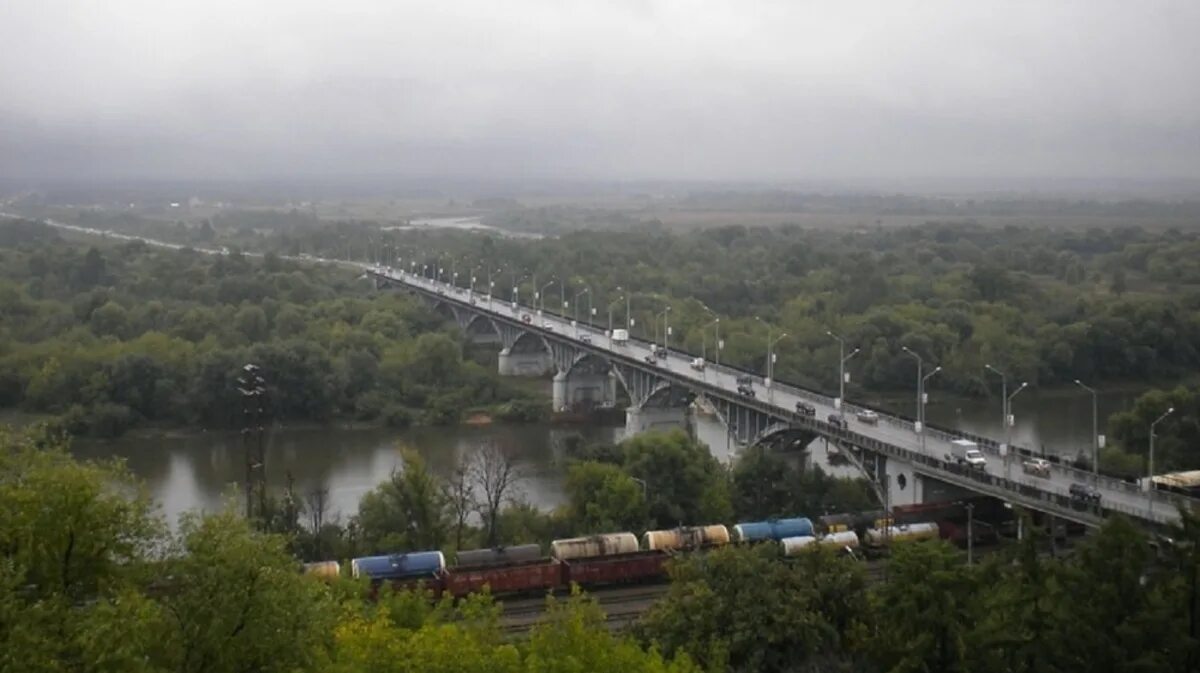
(325, 570)
(983, 532)
(498, 556)
(772, 529)
(676, 539)
(854, 521)
(539, 575)
(840, 540)
(646, 566)
(413, 565)
(609, 544)
(877, 537)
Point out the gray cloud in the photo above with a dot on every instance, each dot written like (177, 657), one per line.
(754, 90)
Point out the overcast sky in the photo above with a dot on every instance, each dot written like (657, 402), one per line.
(604, 89)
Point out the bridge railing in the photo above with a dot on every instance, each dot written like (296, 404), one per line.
(901, 421)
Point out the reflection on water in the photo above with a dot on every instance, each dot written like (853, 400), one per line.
(199, 471)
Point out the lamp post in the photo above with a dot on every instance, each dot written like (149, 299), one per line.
(1095, 429)
(924, 397)
(575, 301)
(704, 338)
(1008, 425)
(643, 483)
(842, 359)
(540, 296)
(1150, 470)
(920, 427)
(661, 314)
(610, 308)
(771, 361)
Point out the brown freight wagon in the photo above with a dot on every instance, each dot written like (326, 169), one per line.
(618, 569)
(513, 578)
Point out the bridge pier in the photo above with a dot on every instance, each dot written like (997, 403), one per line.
(524, 364)
(647, 418)
(586, 389)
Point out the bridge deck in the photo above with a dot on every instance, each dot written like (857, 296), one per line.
(893, 435)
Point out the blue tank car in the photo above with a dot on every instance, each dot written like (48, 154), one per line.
(399, 566)
(772, 529)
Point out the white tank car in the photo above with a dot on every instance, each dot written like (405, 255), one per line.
(904, 532)
(685, 538)
(608, 544)
(842, 540)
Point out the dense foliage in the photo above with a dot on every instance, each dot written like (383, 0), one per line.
(108, 337)
(91, 581)
(1113, 605)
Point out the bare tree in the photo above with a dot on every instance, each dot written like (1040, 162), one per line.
(315, 502)
(459, 492)
(496, 480)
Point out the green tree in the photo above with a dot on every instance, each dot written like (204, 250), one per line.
(602, 498)
(408, 512)
(685, 484)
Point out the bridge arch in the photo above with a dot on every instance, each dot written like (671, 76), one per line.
(482, 329)
(530, 342)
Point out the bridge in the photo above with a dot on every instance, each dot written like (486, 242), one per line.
(908, 463)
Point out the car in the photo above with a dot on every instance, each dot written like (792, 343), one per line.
(526, 319)
(805, 409)
(660, 352)
(651, 359)
(835, 420)
(1038, 467)
(1084, 493)
(585, 338)
(867, 416)
(547, 325)
(698, 364)
(745, 390)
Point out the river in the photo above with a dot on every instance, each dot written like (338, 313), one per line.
(199, 471)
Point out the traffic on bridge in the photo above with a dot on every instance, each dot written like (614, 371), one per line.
(977, 464)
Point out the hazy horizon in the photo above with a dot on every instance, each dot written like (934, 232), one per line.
(778, 93)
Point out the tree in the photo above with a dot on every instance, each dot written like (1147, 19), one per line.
(602, 498)
(496, 481)
(761, 485)
(459, 493)
(239, 604)
(686, 485)
(787, 616)
(405, 513)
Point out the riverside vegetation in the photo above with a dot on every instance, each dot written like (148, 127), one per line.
(109, 337)
(91, 580)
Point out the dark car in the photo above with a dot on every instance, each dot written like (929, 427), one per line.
(836, 421)
(1084, 492)
(650, 359)
(805, 409)
(660, 352)
(746, 390)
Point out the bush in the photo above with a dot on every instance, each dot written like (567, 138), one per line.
(397, 416)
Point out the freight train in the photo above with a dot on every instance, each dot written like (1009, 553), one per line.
(613, 558)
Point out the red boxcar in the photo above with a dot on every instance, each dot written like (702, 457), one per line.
(504, 579)
(622, 568)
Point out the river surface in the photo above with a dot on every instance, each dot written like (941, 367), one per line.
(201, 471)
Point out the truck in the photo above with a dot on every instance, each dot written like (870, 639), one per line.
(966, 452)
(620, 336)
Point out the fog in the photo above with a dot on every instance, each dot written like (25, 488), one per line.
(610, 90)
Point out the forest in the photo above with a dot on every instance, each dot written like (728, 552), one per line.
(106, 337)
(94, 581)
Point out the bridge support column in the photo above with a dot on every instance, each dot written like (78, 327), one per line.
(644, 419)
(524, 364)
(577, 390)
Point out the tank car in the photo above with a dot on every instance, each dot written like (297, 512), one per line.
(609, 544)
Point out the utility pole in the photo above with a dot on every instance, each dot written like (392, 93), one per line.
(253, 388)
(1150, 470)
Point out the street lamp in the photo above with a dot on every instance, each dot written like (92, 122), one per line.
(661, 314)
(1095, 428)
(575, 301)
(920, 427)
(610, 308)
(842, 359)
(643, 483)
(1150, 471)
(704, 338)
(540, 296)
(771, 360)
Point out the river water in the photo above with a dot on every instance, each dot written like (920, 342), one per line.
(201, 471)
